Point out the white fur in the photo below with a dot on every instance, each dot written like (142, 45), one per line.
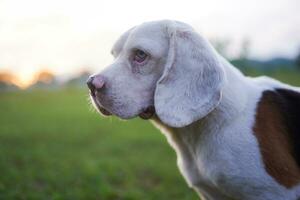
(205, 107)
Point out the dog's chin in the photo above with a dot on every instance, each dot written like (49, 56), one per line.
(104, 112)
(145, 113)
(99, 108)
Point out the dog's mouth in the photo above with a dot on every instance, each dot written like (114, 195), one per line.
(145, 114)
(100, 108)
(104, 111)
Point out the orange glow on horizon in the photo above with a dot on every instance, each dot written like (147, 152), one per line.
(25, 81)
(47, 77)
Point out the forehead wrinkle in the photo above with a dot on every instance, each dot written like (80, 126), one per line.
(142, 43)
(153, 46)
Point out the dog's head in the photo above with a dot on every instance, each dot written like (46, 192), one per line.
(163, 67)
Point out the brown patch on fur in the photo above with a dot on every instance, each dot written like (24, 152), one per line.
(274, 137)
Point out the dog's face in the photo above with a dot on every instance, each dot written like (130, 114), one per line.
(130, 81)
(157, 68)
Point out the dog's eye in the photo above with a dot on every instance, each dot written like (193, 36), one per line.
(139, 56)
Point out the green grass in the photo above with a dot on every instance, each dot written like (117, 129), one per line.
(52, 146)
(290, 77)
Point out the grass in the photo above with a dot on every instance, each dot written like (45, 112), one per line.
(52, 146)
(287, 76)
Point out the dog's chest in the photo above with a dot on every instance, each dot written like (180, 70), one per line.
(220, 160)
(199, 161)
(211, 161)
(203, 166)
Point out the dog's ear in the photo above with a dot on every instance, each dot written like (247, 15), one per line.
(191, 84)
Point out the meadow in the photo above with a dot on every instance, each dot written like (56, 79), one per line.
(54, 146)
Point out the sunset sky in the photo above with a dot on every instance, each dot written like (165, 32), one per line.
(66, 36)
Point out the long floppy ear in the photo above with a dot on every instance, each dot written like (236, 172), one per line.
(191, 84)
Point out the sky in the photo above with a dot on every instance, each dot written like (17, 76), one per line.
(68, 36)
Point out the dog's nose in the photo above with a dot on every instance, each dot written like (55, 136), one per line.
(95, 83)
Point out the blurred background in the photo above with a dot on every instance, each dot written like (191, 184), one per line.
(54, 146)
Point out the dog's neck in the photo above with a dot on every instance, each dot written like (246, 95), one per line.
(234, 96)
(185, 140)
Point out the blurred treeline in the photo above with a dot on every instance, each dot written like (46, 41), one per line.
(282, 68)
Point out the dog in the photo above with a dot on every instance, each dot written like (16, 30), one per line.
(235, 137)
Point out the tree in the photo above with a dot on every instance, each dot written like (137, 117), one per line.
(222, 46)
(297, 60)
(245, 49)
(8, 81)
(45, 77)
(8, 77)
(243, 57)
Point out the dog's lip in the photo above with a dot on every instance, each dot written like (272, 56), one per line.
(100, 108)
(147, 113)
(92, 94)
(104, 111)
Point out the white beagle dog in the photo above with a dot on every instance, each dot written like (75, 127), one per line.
(235, 137)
